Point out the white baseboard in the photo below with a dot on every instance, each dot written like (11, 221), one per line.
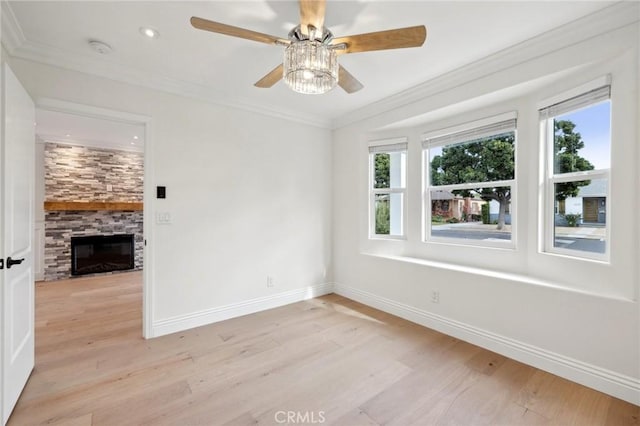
(609, 382)
(221, 313)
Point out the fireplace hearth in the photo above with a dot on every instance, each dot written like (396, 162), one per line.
(102, 253)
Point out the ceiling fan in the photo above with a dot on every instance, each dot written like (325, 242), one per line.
(311, 52)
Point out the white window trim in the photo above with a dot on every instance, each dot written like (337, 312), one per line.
(550, 178)
(474, 185)
(387, 145)
(447, 136)
(605, 80)
(470, 125)
(375, 144)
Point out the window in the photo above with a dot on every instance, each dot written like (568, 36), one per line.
(577, 145)
(388, 175)
(470, 184)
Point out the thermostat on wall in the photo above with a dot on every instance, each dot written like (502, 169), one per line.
(161, 192)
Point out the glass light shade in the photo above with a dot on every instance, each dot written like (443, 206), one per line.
(310, 67)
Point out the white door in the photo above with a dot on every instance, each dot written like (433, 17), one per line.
(17, 155)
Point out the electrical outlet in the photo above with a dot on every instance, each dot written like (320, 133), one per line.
(435, 296)
(270, 281)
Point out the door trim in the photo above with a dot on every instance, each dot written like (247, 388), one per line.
(149, 183)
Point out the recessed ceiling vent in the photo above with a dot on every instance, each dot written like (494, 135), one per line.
(100, 47)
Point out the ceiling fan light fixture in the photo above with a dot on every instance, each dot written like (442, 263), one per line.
(310, 67)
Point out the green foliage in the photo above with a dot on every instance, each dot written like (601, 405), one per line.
(484, 160)
(453, 220)
(485, 213)
(382, 180)
(566, 145)
(383, 217)
(437, 219)
(382, 177)
(572, 219)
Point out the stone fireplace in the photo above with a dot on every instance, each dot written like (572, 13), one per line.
(90, 192)
(61, 226)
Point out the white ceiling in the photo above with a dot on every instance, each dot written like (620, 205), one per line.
(224, 68)
(60, 127)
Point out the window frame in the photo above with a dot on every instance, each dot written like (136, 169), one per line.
(461, 134)
(572, 102)
(387, 146)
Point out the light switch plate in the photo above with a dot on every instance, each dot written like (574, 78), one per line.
(163, 218)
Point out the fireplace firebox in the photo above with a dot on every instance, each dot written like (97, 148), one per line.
(102, 253)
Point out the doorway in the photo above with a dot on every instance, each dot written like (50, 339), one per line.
(92, 169)
(594, 209)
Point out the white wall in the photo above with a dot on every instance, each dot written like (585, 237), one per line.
(573, 205)
(579, 319)
(248, 195)
(38, 234)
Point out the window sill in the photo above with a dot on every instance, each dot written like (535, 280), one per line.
(524, 279)
(387, 238)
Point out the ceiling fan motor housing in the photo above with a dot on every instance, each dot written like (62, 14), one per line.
(321, 35)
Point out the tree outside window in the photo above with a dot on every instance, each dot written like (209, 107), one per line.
(387, 192)
(474, 171)
(578, 145)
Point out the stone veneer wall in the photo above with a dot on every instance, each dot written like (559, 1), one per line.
(77, 173)
(61, 226)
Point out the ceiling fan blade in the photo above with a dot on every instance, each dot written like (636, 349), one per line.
(348, 82)
(382, 40)
(312, 13)
(271, 78)
(217, 27)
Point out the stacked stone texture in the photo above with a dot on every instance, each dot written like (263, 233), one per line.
(61, 226)
(76, 173)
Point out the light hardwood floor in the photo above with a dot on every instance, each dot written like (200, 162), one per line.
(328, 359)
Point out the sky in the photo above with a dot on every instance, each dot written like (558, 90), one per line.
(594, 125)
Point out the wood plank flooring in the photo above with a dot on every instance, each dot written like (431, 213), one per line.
(324, 361)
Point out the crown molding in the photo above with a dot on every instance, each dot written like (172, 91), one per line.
(12, 34)
(609, 19)
(17, 45)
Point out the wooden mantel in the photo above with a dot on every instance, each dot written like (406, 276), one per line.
(92, 206)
